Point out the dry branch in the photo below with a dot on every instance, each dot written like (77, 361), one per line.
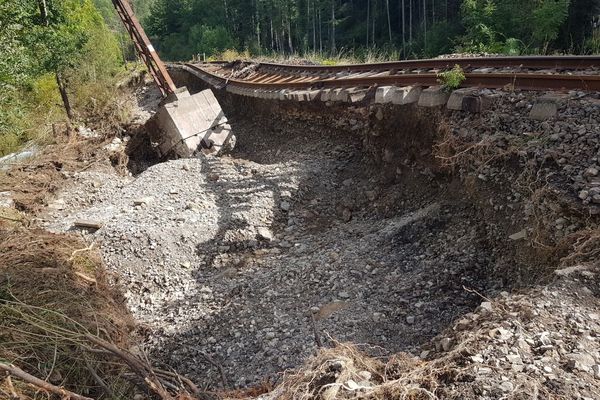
(24, 376)
(142, 370)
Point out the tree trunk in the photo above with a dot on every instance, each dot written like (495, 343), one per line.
(320, 33)
(374, 14)
(368, 19)
(314, 28)
(403, 30)
(333, 26)
(290, 42)
(59, 80)
(410, 21)
(387, 4)
(272, 41)
(63, 94)
(43, 11)
(258, 29)
(425, 23)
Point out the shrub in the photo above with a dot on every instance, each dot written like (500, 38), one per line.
(452, 79)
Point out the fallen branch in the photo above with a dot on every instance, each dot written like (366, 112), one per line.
(186, 381)
(24, 376)
(142, 370)
(98, 379)
(218, 366)
(75, 252)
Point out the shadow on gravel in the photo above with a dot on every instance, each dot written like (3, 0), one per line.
(390, 277)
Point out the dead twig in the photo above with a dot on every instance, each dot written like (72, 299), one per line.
(98, 379)
(142, 370)
(218, 366)
(24, 376)
(11, 387)
(75, 252)
(186, 381)
(316, 331)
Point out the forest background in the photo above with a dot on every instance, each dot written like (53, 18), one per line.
(61, 60)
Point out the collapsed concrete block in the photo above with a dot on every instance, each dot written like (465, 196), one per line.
(340, 95)
(546, 107)
(406, 95)
(433, 96)
(190, 124)
(455, 102)
(476, 104)
(354, 95)
(358, 96)
(326, 95)
(313, 95)
(382, 95)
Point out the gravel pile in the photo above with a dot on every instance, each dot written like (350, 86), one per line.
(561, 154)
(229, 261)
(541, 344)
(239, 267)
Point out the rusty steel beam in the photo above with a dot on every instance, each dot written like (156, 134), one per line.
(144, 48)
(525, 81)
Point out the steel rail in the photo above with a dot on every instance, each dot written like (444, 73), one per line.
(537, 62)
(526, 81)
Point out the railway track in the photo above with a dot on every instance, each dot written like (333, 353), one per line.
(527, 73)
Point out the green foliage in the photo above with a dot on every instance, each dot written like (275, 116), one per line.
(452, 79)
(75, 43)
(181, 28)
(494, 26)
(210, 40)
(478, 18)
(548, 17)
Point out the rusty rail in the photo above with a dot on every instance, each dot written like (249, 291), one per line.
(517, 80)
(537, 62)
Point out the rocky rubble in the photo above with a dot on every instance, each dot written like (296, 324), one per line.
(538, 344)
(330, 230)
(232, 260)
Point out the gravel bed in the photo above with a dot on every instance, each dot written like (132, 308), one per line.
(238, 263)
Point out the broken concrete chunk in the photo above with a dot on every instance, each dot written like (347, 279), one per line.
(143, 200)
(455, 101)
(545, 107)
(88, 224)
(191, 123)
(382, 95)
(522, 234)
(265, 233)
(406, 95)
(434, 96)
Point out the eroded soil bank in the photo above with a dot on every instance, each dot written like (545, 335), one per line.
(380, 226)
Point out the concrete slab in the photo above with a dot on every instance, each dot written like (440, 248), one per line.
(476, 104)
(546, 107)
(406, 95)
(382, 95)
(191, 123)
(434, 96)
(313, 95)
(455, 102)
(340, 95)
(326, 95)
(357, 95)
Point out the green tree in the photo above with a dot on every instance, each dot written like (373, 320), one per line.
(66, 40)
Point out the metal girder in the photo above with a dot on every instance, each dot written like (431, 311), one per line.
(144, 47)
